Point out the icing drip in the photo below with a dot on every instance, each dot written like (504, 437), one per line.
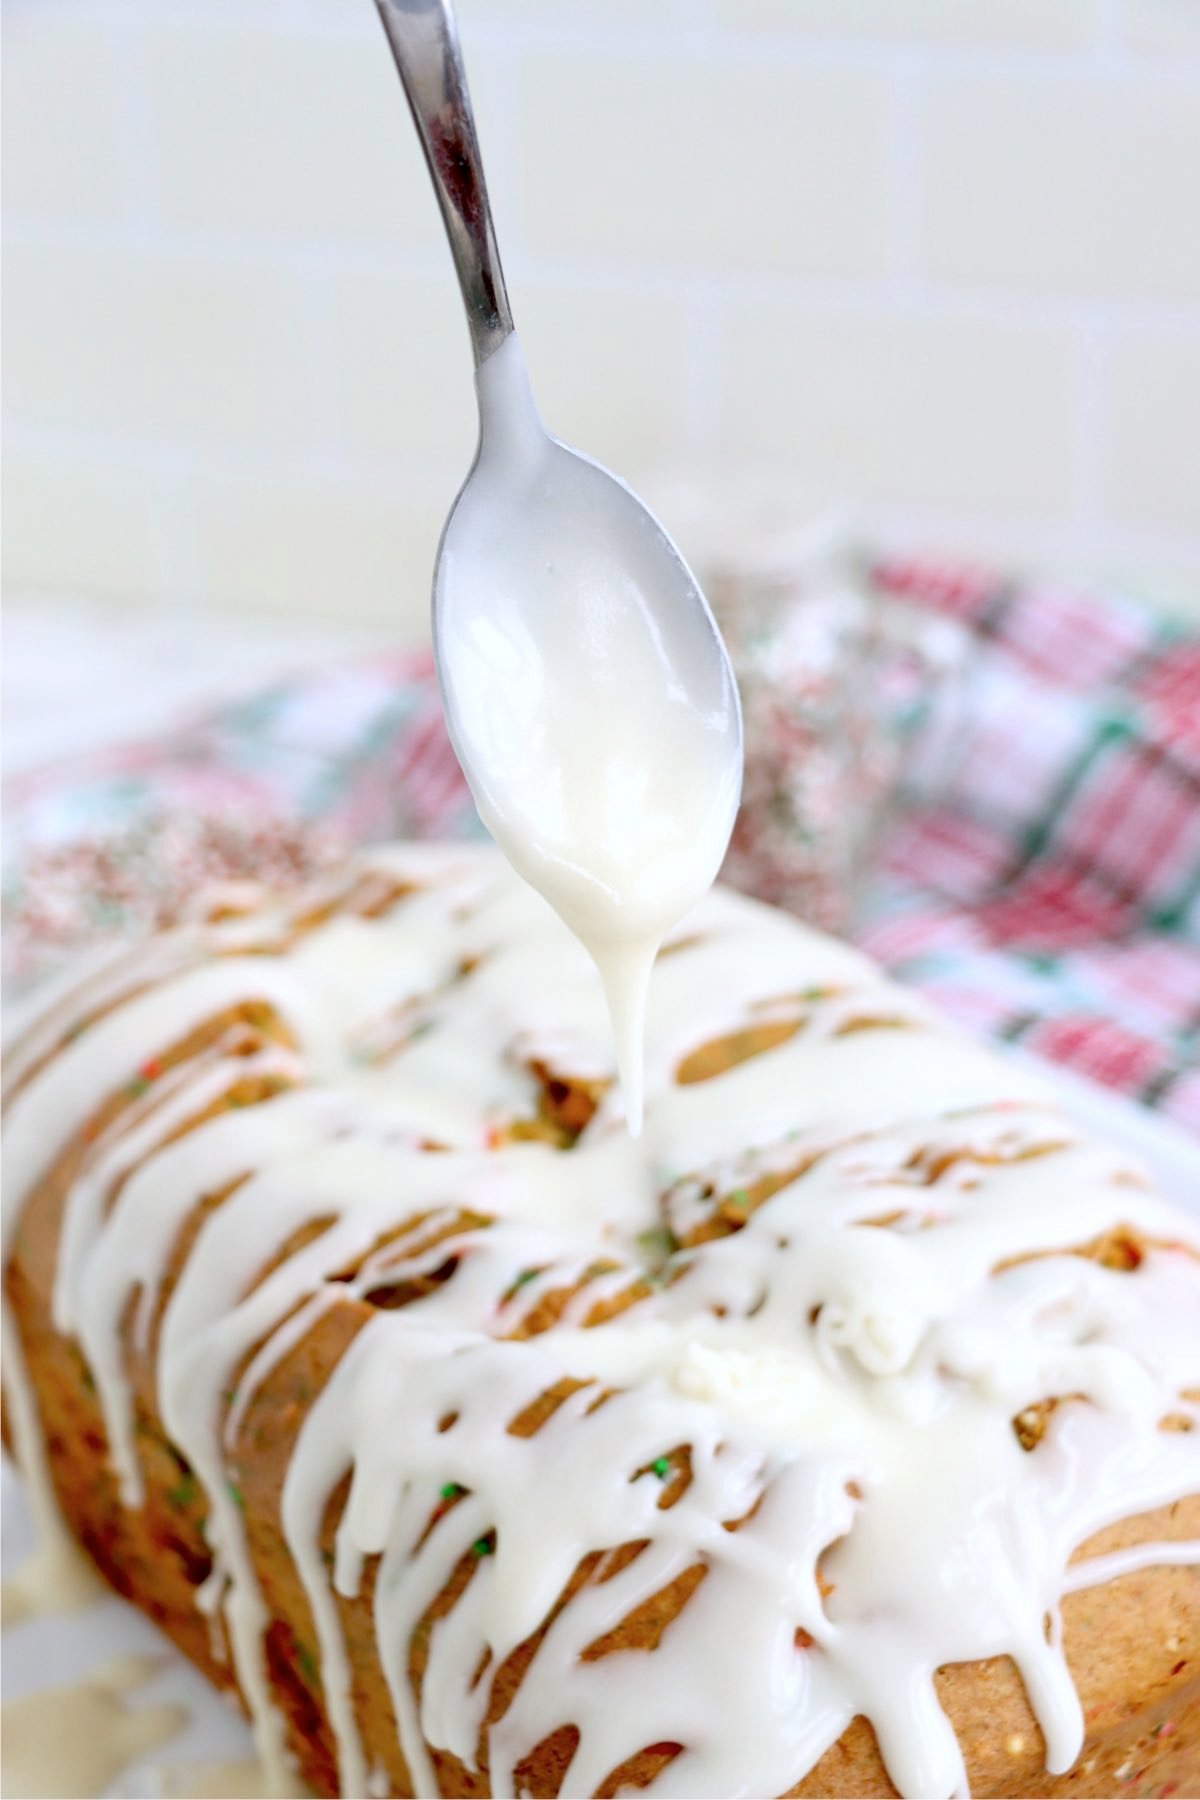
(55, 1576)
(847, 1239)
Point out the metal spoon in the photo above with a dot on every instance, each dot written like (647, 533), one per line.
(424, 43)
(586, 689)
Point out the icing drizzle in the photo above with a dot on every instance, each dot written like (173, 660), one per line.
(848, 1241)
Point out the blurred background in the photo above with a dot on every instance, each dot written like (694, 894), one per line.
(938, 258)
(892, 307)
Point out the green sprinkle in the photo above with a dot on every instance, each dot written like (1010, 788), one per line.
(230, 1396)
(661, 1466)
(518, 1282)
(183, 1494)
(482, 1547)
(306, 1662)
(739, 1200)
(137, 1087)
(451, 1490)
(658, 1243)
(236, 1495)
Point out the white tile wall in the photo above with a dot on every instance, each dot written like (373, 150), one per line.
(1169, 27)
(1083, 190)
(684, 161)
(79, 524)
(896, 403)
(161, 345)
(940, 257)
(320, 546)
(1151, 476)
(279, 133)
(63, 68)
(985, 24)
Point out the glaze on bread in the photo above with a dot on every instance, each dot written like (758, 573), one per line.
(839, 1437)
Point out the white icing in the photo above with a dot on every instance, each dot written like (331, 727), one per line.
(844, 1368)
(55, 1576)
(590, 701)
(1097, 1569)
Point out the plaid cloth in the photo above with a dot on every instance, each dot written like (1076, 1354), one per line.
(269, 789)
(1049, 894)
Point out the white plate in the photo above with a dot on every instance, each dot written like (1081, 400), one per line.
(51, 1651)
(58, 1650)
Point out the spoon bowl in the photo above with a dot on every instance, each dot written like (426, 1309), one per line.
(551, 566)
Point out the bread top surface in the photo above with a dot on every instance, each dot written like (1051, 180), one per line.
(860, 1342)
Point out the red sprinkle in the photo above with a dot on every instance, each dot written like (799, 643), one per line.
(150, 1071)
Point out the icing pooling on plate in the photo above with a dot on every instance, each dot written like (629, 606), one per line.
(815, 1264)
(74, 1740)
(232, 1780)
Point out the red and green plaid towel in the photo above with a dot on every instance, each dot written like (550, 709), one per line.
(1050, 895)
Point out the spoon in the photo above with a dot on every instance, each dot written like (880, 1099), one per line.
(587, 692)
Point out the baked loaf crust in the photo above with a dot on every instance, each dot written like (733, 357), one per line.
(482, 1451)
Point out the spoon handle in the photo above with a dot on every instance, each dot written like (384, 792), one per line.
(425, 46)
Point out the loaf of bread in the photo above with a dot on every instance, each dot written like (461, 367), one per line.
(841, 1436)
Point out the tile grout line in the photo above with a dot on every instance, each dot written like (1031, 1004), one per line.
(701, 36)
(815, 291)
(160, 460)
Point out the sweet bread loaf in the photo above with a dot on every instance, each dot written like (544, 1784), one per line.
(839, 1437)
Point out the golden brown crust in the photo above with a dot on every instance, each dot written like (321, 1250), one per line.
(1133, 1645)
